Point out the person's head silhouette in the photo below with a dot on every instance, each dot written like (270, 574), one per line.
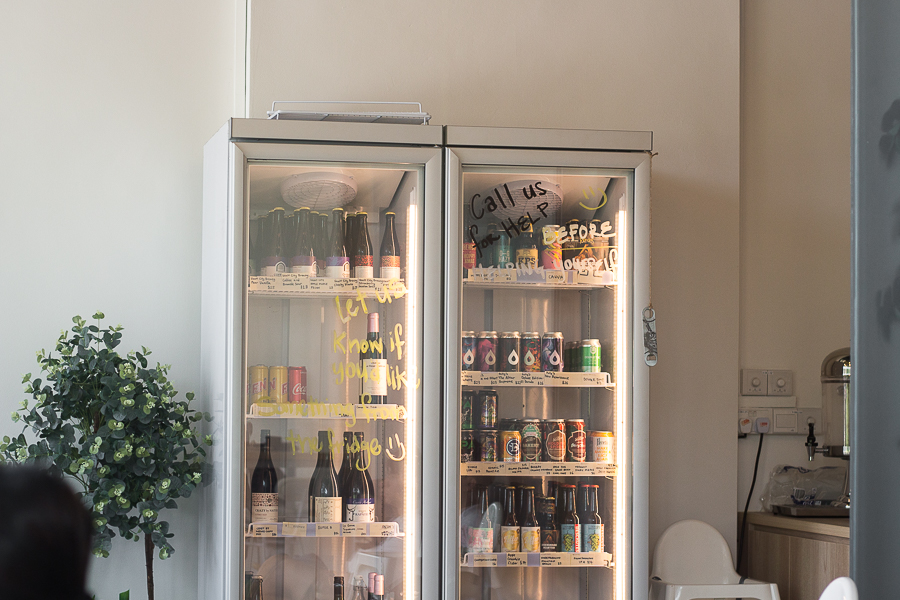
(45, 537)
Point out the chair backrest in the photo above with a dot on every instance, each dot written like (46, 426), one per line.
(841, 588)
(693, 552)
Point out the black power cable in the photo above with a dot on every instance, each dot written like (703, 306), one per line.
(740, 555)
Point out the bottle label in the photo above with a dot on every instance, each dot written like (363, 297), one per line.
(549, 540)
(374, 382)
(264, 508)
(362, 512)
(531, 539)
(390, 267)
(481, 539)
(305, 265)
(509, 539)
(571, 538)
(328, 510)
(337, 267)
(469, 256)
(592, 537)
(363, 266)
(272, 265)
(526, 258)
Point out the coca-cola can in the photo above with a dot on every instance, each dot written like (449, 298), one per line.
(297, 385)
(278, 384)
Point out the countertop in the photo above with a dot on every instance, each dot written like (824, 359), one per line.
(835, 527)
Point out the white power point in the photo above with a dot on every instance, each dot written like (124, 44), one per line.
(781, 383)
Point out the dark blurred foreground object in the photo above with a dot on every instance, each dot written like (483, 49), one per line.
(45, 537)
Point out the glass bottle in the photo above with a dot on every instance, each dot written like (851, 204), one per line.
(338, 588)
(591, 525)
(530, 528)
(321, 242)
(303, 259)
(324, 496)
(359, 498)
(264, 484)
(527, 250)
(390, 249)
(337, 264)
(481, 537)
(509, 530)
(344, 473)
(549, 526)
(361, 259)
(569, 524)
(274, 258)
(360, 437)
(373, 382)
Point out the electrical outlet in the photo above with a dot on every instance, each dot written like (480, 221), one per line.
(754, 382)
(781, 383)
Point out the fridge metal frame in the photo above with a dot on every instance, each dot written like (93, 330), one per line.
(224, 303)
(509, 147)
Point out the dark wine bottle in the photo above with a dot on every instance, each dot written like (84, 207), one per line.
(359, 441)
(361, 258)
(373, 365)
(531, 529)
(264, 484)
(359, 497)
(274, 258)
(338, 588)
(344, 473)
(324, 496)
(390, 249)
(321, 241)
(337, 264)
(303, 259)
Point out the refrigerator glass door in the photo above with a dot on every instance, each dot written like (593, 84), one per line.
(540, 367)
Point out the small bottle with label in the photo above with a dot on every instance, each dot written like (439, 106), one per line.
(591, 525)
(509, 530)
(530, 528)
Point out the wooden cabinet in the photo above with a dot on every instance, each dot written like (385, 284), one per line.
(802, 556)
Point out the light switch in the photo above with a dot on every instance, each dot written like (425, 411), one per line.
(754, 382)
(781, 383)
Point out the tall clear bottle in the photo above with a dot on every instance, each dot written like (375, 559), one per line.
(361, 258)
(337, 263)
(274, 260)
(373, 365)
(359, 497)
(264, 484)
(481, 537)
(324, 496)
(303, 258)
(390, 249)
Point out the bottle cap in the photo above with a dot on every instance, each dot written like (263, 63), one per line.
(379, 585)
(373, 323)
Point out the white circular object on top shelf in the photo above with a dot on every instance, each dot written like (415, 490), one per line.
(526, 194)
(318, 191)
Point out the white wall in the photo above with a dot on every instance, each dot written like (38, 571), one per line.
(104, 109)
(795, 206)
(672, 68)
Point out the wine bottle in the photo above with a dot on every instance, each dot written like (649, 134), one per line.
(361, 259)
(321, 242)
(359, 444)
(569, 524)
(337, 264)
(591, 525)
(373, 365)
(531, 530)
(509, 530)
(379, 587)
(359, 498)
(274, 260)
(264, 484)
(344, 473)
(481, 537)
(303, 259)
(338, 588)
(390, 250)
(324, 499)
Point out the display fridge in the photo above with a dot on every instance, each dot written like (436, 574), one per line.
(546, 385)
(320, 332)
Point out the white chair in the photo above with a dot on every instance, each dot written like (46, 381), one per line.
(841, 588)
(692, 560)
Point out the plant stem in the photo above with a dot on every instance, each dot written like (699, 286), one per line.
(148, 555)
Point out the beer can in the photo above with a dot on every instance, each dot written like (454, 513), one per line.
(469, 255)
(487, 445)
(510, 352)
(258, 387)
(531, 351)
(601, 446)
(467, 446)
(575, 445)
(278, 384)
(297, 384)
(468, 406)
(570, 355)
(530, 429)
(554, 438)
(501, 251)
(468, 350)
(510, 446)
(551, 249)
(588, 356)
(486, 357)
(486, 418)
(552, 351)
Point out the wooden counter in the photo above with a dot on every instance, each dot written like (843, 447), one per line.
(832, 527)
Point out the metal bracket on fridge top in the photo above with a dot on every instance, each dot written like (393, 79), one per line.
(350, 116)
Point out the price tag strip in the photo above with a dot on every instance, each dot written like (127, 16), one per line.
(287, 529)
(539, 379)
(538, 277)
(566, 469)
(538, 559)
(295, 285)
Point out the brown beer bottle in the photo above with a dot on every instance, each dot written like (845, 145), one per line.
(362, 260)
(390, 250)
(509, 530)
(569, 524)
(530, 529)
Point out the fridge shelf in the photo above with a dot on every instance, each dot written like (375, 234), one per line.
(538, 559)
(315, 410)
(492, 277)
(539, 379)
(296, 285)
(555, 469)
(286, 529)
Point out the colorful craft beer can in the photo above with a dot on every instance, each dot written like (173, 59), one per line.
(278, 384)
(531, 352)
(570, 356)
(554, 438)
(468, 350)
(486, 418)
(486, 358)
(510, 352)
(552, 351)
(601, 446)
(297, 385)
(467, 446)
(487, 445)
(469, 255)
(510, 446)
(531, 439)
(468, 406)
(551, 249)
(258, 387)
(575, 445)
(588, 356)
(501, 251)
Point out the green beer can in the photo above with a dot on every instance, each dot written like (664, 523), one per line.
(590, 356)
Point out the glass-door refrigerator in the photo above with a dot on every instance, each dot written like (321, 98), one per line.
(320, 324)
(546, 386)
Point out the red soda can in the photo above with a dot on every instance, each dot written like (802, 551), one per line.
(297, 384)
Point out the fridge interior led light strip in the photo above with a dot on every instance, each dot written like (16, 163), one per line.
(621, 429)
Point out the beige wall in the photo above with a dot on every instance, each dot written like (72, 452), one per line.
(672, 68)
(795, 204)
